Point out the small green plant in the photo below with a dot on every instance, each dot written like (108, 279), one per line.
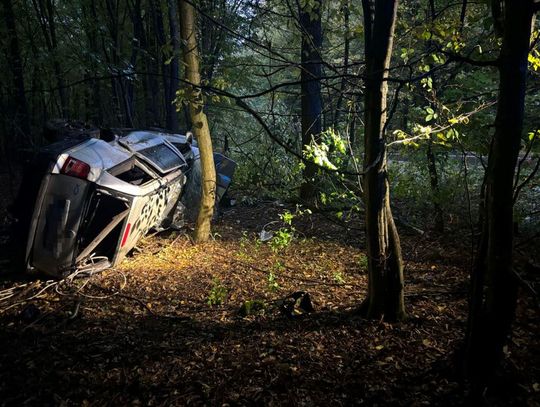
(363, 262)
(284, 236)
(282, 239)
(338, 277)
(244, 239)
(278, 266)
(218, 293)
(287, 217)
(252, 307)
(243, 253)
(273, 285)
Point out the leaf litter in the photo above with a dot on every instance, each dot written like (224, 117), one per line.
(146, 333)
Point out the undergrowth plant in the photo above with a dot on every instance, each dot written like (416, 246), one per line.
(284, 236)
(252, 307)
(218, 293)
(271, 279)
(272, 283)
(338, 277)
(363, 262)
(282, 239)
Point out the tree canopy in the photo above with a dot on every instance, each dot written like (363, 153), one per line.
(409, 124)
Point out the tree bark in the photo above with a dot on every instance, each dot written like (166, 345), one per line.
(430, 155)
(45, 13)
(435, 190)
(156, 34)
(112, 59)
(149, 82)
(20, 113)
(138, 44)
(346, 51)
(95, 112)
(494, 286)
(174, 84)
(385, 264)
(311, 69)
(159, 29)
(198, 118)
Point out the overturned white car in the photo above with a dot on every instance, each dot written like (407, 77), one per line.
(85, 202)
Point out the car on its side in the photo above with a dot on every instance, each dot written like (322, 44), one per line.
(85, 201)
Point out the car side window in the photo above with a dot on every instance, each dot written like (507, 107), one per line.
(131, 172)
(163, 157)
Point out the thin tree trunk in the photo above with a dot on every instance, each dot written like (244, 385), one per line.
(430, 155)
(494, 286)
(200, 123)
(113, 60)
(385, 288)
(174, 84)
(45, 13)
(155, 108)
(344, 79)
(150, 115)
(435, 190)
(137, 45)
(165, 69)
(95, 109)
(311, 68)
(20, 114)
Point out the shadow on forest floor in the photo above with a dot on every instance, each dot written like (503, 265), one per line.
(144, 333)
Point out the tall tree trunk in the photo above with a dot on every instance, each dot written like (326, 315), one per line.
(174, 84)
(200, 123)
(347, 39)
(138, 44)
(165, 69)
(20, 113)
(113, 59)
(150, 116)
(45, 12)
(310, 25)
(92, 33)
(494, 286)
(435, 190)
(430, 155)
(156, 108)
(385, 264)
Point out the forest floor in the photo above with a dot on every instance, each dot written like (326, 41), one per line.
(150, 332)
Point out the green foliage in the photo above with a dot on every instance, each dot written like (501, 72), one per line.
(533, 135)
(218, 293)
(338, 277)
(252, 307)
(272, 283)
(271, 279)
(282, 239)
(363, 262)
(329, 152)
(447, 104)
(287, 217)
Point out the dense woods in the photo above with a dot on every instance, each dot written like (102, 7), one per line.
(385, 204)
